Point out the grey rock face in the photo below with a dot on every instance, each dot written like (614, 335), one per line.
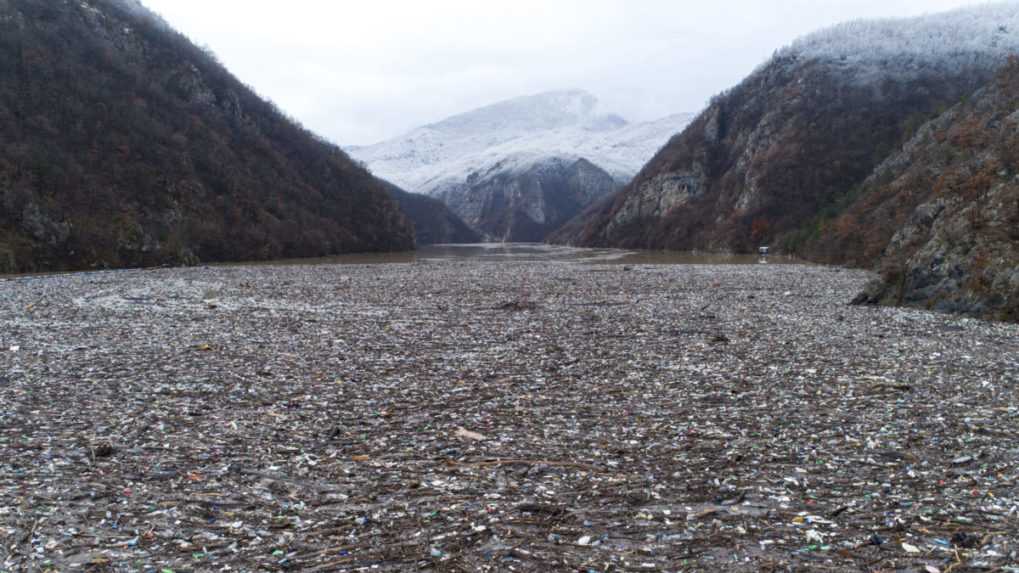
(41, 227)
(654, 198)
(955, 256)
(190, 85)
(959, 249)
(792, 143)
(526, 205)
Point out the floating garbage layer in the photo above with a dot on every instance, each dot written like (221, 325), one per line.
(524, 416)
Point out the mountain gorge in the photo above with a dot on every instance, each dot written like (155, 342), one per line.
(123, 144)
(802, 132)
(791, 156)
(519, 169)
(883, 144)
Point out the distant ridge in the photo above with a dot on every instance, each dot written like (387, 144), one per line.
(434, 222)
(518, 169)
(564, 124)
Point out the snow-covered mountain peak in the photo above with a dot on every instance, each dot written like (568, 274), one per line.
(526, 114)
(517, 133)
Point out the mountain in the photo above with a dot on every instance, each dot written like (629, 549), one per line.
(554, 124)
(524, 198)
(123, 144)
(787, 149)
(942, 215)
(490, 164)
(434, 222)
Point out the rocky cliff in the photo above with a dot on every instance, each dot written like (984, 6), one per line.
(795, 140)
(527, 201)
(123, 144)
(942, 215)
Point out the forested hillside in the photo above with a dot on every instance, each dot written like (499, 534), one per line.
(942, 216)
(791, 144)
(123, 144)
(434, 222)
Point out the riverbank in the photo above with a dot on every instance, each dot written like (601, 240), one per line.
(466, 416)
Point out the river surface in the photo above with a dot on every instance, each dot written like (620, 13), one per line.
(538, 252)
(505, 252)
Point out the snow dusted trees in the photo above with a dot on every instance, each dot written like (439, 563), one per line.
(782, 153)
(982, 37)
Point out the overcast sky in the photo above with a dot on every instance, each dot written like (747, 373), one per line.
(358, 72)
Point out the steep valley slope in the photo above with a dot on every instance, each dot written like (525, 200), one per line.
(797, 137)
(434, 222)
(942, 216)
(123, 144)
(852, 147)
(527, 202)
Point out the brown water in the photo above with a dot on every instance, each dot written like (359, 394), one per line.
(512, 252)
(537, 252)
